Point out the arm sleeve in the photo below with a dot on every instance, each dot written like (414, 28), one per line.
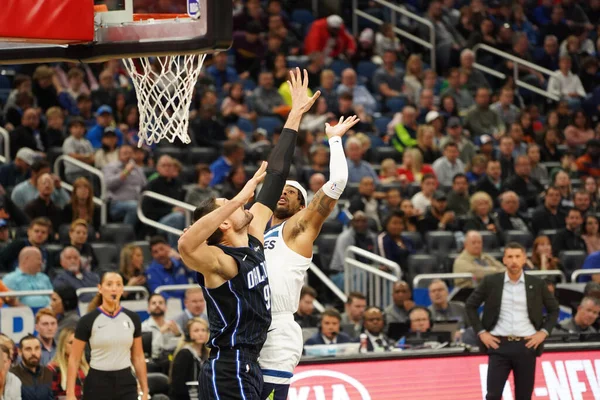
(278, 170)
(338, 169)
(137, 324)
(83, 330)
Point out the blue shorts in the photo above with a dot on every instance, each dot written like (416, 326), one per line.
(231, 374)
(275, 391)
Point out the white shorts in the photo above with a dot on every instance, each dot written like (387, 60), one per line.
(282, 351)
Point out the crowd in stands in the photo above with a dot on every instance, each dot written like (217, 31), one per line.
(446, 165)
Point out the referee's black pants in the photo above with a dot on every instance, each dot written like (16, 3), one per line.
(110, 385)
(513, 356)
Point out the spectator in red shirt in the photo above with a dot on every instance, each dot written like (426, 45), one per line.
(589, 163)
(59, 365)
(329, 36)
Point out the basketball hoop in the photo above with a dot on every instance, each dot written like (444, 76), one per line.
(164, 87)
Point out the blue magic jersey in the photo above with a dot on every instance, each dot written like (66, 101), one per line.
(239, 311)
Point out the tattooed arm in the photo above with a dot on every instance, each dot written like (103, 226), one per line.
(303, 228)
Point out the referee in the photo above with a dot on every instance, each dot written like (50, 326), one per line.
(513, 327)
(115, 337)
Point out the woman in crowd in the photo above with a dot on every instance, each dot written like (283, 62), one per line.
(591, 186)
(541, 255)
(538, 171)
(390, 242)
(64, 305)
(481, 218)
(388, 172)
(190, 354)
(411, 215)
(549, 150)
(579, 130)
(60, 365)
(281, 73)
(235, 182)
(563, 182)
(426, 144)
(413, 79)
(78, 235)
(131, 268)
(115, 338)
(412, 166)
(234, 106)
(590, 234)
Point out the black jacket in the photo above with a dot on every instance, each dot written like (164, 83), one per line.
(484, 184)
(474, 223)
(186, 368)
(430, 223)
(543, 219)
(529, 191)
(38, 208)
(489, 292)
(567, 240)
(507, 225)
(34, 386)
(173, 188)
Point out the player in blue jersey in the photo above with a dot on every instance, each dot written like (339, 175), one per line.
(225, 247)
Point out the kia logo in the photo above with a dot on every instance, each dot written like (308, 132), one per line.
(324, 384)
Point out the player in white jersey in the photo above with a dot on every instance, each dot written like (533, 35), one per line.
(288, 253)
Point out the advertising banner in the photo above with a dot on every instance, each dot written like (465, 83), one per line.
(559, 376)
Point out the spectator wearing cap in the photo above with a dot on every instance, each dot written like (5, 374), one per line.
(29, 276)
(249, 50)
(454, 133)
(589, 163)
(329, 36)
(266, 100)
(78, 147)
(438, 217)
(64, 303)
(504, 107)
(108, 153)
(448, 166)
(569, 238)
(28, 134)
(27, 191)
(43, 206)
(436, 121)
(486, 147)
(549, 215)
(357, 168)
(388, 79)
(360, 94)
(17, 171)
(474, 261)
(464, 98)
(104, 119)
(480, 119)
(523, 184)
(509, 216)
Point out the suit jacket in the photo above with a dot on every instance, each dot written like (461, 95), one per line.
(485, 185)
(387, 342)
(489, 292)
(317, 338)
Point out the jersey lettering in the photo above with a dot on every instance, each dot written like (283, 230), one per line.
(256, 276)
(270, 244)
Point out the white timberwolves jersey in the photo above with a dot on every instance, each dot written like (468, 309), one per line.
(286, 270)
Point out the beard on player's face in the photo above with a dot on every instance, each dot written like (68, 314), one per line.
(284, 212)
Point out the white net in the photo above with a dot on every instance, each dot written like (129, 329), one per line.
(164, 87)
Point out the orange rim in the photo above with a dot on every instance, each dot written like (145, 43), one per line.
(144, 17)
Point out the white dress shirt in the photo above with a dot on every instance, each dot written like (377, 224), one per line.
(514, 318)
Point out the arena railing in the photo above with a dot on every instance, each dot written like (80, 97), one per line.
(5, 158)
(428, 44)
(517, 62)
(128, 289)
(368, 279)
(542, 274)
(322, 276)
(583, 272)
(24, 293)
(101, 201)
(429, 277)
(165, 199)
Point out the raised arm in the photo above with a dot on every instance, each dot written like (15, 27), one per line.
(193, 247)
(282, 155)
(304, 227)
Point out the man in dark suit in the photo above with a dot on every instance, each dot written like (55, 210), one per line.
(569, 238)
(373, 323)
(329, 330)
(513, 327)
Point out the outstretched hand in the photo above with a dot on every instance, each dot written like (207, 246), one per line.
(342, 126)
(247, 191)
(299, 91)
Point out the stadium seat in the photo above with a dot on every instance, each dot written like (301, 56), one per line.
(172, 151)
(158, 383)
(202, 155)
(571, 260)
(490, 240)
(188, 174)
(54, 250)
(145, 246)
(381, 124)
(522, 237)
(366, 69)
(337, 66)
(422, 264)
(548, 232)
(117, 233)
(395, 104)
(269, 124)
(332, 226)
(302, 17)
(326, 245)
(107, 255)
(63, 234)
(245, 125)
(381, 153)
(416, 239)
(440, 242)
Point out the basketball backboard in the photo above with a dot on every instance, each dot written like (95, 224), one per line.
(100, 30)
